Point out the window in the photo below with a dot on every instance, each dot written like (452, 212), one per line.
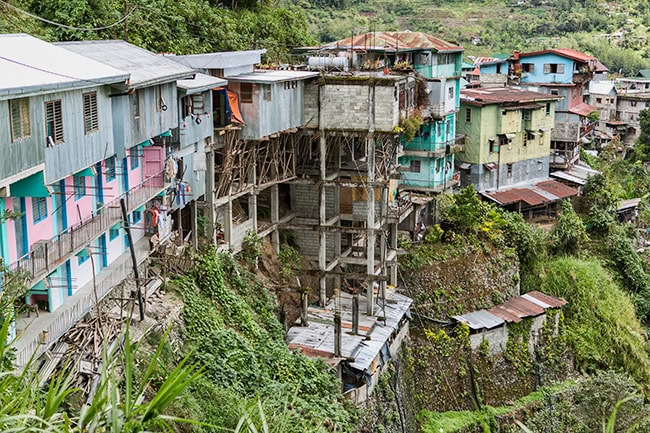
(524, 139)
(509, 165)
(134, 156)
(415, 166)
(137, 216)
(468, 115)
(527, 67)
(451, 92)
(21, 127)
(193, 104)
(647, 104)
(136, 104)
(548, 108)
(555, 92)
(79, 186)
(39, 209)
(267, 93)
(491, 145)
(290, 84)
(599, 100)
(113, 232)
(110, 168)
(53, 122)
(553, 68)
(91, 122)
(633, 103)
(540, 165)
(246, 93)
(82, 256)
(525, 115)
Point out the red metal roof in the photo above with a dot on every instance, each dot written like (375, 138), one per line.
(498, 95)
(556, 188)
(502, 312)
(583, 109)
(517, 308)
(514, 195)
(564, 52)
(396, 41)
(549, 300)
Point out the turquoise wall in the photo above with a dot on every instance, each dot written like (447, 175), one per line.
(538, 75)
(432, 171)
(434, 135)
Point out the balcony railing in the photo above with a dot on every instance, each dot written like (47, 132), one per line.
(46, 255)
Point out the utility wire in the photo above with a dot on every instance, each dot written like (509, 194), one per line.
(65, 26)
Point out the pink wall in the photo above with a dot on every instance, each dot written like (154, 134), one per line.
(84, 204)
(43, 229)
(135, 175)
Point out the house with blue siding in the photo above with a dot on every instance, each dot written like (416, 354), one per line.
(561, 72)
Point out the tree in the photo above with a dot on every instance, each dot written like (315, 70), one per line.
(569, 234)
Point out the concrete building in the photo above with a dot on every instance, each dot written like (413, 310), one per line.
(633, 97)
(566, 73)
(508, 137)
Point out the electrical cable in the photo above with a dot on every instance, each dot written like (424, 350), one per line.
(65, 26)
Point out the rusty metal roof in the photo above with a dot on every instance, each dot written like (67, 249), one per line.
(546, 191)
(515, 195)
(503, 95)
(556, 188)
(395, 41)
(517, 308)
(544, 300)
(583, 109)
(563, 52)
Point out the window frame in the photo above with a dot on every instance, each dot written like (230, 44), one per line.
(548, 108)
(79, 187)
(468, 115)
(134, 157)
(114, 232)
(415, 166)
(25, 124)
(58, 133)
(528, 67)
(91, 114)
(39, 209)
(111, 170)
(246, 96)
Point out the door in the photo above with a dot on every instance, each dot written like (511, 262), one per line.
(99, 195)
(125, 175)
(101, 245)
(154, 159)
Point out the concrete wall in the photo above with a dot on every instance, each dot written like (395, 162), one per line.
(432, 171)
(498, 337)
(539, 76)
(526, 171)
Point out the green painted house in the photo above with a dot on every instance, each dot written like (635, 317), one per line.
(508, 137)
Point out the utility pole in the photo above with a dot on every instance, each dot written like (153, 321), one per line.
(126, 21)
(134, 261)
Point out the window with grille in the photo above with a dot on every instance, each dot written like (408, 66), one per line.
(79, 186)
(415, 166)
(39, 209)
(246, 93)
(53, 122)
(136, 104)
(468, 115)
(21, 127)
(91, 122)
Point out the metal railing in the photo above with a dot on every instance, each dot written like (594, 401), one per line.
(46, 255)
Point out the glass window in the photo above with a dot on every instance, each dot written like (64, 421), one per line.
(79, 185)
(415, 166)
(110, 168)
(468, 115)
(134, 156)
(113, 232)
(82, 256)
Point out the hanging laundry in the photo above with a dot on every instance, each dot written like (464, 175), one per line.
(179, 169)
(170, 168)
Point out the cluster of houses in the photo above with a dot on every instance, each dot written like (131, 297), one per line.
(111, 151)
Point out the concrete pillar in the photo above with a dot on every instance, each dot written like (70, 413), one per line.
(370, 220)
(393, 245)
(322, 215)
(275, 217)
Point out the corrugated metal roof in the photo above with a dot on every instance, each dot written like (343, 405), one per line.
(583, 109)
(272, 76)
(546, 191)
(317, 339)
(222, 60)
(502, 95)
(627, 204)
(549, 301)
(200, 83)
(395, 41)
(145, 67)
(558, 189)
(479, 320)
(30, 65)
(564, 52)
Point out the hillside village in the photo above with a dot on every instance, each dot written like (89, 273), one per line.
(118, 161)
